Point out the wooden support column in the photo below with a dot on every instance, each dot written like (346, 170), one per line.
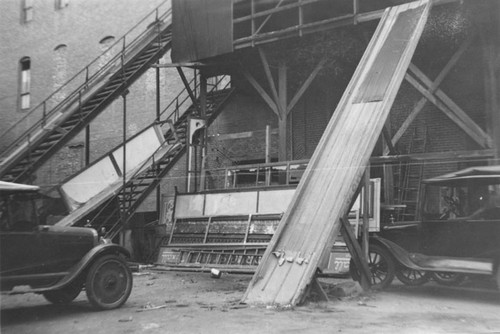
(366, 213)
(283, 121)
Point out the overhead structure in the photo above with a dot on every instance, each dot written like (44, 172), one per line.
(312, 221)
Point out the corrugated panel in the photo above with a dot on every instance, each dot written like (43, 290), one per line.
(337, 166)
(201, 29)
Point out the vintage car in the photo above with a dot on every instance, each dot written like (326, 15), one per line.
(457, 233)
(57, 262)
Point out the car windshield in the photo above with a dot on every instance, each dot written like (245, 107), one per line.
(471, 201)
(17, 212)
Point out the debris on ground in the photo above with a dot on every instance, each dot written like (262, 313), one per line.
(150, 307)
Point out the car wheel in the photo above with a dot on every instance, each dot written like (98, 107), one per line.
(498, 277)
(109, 282)
(447, 278)
(65, 295)
(412, 277)
(382, 268)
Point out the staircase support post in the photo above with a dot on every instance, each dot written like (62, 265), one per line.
(203, 135)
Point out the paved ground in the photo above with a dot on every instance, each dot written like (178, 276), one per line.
(173, 302)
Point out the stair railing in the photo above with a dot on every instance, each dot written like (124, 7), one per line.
(179, 109)
(85, 80)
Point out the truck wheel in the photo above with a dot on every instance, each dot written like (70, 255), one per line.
(65, 295)
(109, 282)
(412, 277)
(382, 268)
(448, 278)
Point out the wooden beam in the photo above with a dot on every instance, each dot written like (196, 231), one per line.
(450, 109)
(188, 88)
(306, 84)
(356, 253)
(261, 91)
(434, 156)
(387, 137)
(266, 19)
(459, 112)
(432, 88)
(270, 80)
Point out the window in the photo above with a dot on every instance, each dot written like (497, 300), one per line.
(60, 4)
(27, 10)
(25, 83)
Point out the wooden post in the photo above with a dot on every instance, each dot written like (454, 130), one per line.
(366, 213)
(268, 154)
(282, 85)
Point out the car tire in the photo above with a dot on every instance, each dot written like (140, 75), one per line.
(382, 268)
(65, 295)
(448, 278)
(412, 277)
(109, 282)
(498, 277)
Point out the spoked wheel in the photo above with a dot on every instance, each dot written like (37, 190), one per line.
(412, 277)
(447, 278)
(498, 277)
(65, 295)
(109, 282)
(382, 268)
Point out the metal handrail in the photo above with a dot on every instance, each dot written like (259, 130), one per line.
(175, 114)
(120, 46)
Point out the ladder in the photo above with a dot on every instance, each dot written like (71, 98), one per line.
(411, 173)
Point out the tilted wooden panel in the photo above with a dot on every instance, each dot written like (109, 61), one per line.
(309, 227)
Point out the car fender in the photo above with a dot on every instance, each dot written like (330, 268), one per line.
(85, 262)
(401, 255)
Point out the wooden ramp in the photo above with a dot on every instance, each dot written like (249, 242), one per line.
(308, 229)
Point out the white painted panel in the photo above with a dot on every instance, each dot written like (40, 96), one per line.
(275, 201)
(90, 182)
(190, 205)
(138, 149)
(237, 203)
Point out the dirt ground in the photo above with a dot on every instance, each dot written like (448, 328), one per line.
(180, 302)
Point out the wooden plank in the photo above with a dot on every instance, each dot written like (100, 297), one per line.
(331, 179)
